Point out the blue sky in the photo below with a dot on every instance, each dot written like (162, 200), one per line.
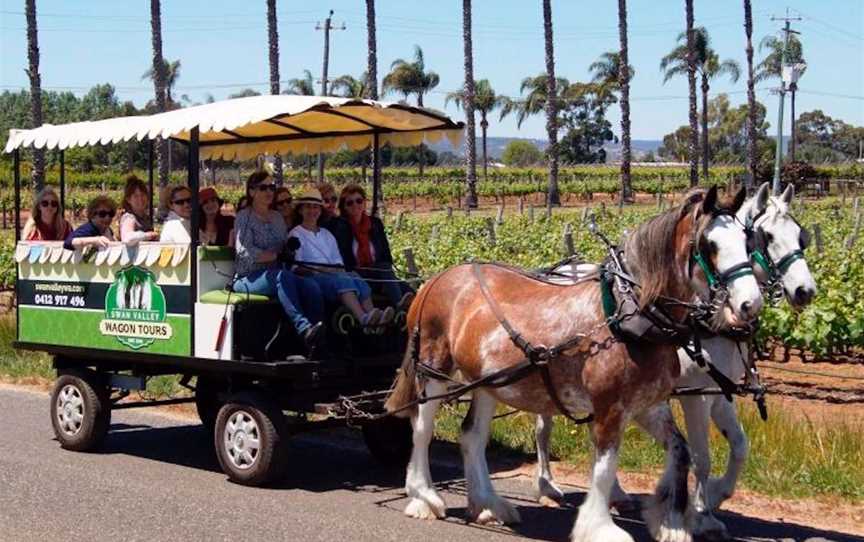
(222, 47)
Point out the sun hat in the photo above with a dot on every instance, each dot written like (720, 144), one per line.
(311, 196)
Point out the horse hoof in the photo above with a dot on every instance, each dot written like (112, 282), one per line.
(606, 533)
(548, 502)
(709, 528)
(420, 509)
(665, 525)
(548, 494)
(495, 511)
(717, 493)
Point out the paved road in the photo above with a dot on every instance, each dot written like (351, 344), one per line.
(157, 479)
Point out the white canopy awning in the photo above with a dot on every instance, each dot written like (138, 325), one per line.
(245, 127)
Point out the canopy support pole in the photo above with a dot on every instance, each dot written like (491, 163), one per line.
(63, 183)
(376, 173)
(150, 175)
(193, 222)
(16, 159)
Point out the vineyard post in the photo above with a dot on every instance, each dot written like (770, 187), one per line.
(500, 218)
(449, 213)
(548, 208)
(467, 210)
(521, 205)
(410, 263)
(569, 247)
(4, 214)
(399, 220)
(843, 189)
(531, 213)
(659, 201)
(490, 229)
(817, 235)
(585, 212)
(620, 205)
(603, 208)
(414, 195)
(435, 232)
(855, 204)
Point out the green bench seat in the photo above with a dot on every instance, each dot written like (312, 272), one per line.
(221, 297)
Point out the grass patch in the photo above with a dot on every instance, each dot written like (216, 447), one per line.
(788, 457)
(20, 364)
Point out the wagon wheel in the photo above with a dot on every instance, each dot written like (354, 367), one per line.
(80, 410)
(250, 439)
(389, 440)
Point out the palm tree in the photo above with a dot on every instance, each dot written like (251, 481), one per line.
(409, 78)
(709, 66)
(38, 174)
(372, 52)
(304, 86)
(172, 74)
(624, 76)
(551, 106)
(606, 70)
(467, 99)
(273, 56)
(535, 101)
(349, 87)
(157, 74)
(751, 96)
(485, 102)
(771, 67)
(691, 85)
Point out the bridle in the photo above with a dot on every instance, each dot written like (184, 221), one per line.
(757, 246)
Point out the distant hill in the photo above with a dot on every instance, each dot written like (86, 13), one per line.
(496, 146)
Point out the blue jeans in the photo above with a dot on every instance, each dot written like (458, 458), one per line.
(334, 284)
(393, 289)
(300, 298)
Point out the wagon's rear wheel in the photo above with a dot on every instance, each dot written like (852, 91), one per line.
(389, 440)
(80, 410)
(251, 439)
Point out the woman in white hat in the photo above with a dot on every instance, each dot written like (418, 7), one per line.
(318, 246)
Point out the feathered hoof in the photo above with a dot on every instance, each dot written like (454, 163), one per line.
(421, 509)
(606, 533)
(549, 494)
(664, 524)
(717, 493)
(494, 511)
(709, 528)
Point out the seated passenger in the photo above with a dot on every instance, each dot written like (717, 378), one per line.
(329, 197)
(261, 236)
(215, 227)
(176, 228)
(282, 204)
(46, 222)
(96, 231)
(318, 246)
(135, 223)
(364, 247)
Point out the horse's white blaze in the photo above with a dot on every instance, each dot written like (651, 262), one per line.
(730, 240)
(594, 523)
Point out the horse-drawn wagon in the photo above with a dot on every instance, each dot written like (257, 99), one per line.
(114, 317)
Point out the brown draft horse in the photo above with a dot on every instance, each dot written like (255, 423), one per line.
(456, 331)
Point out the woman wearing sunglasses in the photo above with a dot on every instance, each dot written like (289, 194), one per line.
(318, 246)
(364, 247)
(329, 197)
(135, 223)
(96, 232)
(261, 236)
(282, 204)
(176, 228)
(215, 227)
(46, 222)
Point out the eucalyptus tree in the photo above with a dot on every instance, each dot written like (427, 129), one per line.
(485, 102)
(38, 173)
(709, 67)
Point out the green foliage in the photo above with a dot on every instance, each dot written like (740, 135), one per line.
(520, 153)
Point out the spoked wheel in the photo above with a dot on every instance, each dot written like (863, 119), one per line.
(250, 439)
(80, 410)
(389, 440)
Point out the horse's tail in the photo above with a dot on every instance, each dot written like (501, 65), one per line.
(405, 388)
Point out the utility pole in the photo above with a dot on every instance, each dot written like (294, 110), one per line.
(778, 156)
(327, 26)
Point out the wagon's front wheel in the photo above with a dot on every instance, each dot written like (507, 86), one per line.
(251, 439)
(80, 410)
(389, 440)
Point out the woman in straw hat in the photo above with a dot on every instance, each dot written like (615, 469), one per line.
(319, 257)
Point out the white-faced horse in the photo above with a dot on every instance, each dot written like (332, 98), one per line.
(457, 324)
(776, 247)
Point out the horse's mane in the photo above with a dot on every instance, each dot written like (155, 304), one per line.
(650, 250)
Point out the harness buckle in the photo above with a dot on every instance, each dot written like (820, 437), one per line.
(539, 354)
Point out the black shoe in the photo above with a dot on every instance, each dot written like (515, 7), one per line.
(312, 338)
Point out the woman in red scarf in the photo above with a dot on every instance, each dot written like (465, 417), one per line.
(46, 222)
(364, 247)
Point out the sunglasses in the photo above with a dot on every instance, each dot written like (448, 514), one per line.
(331, 199)
(353, 202)
(102, 213)
(182, 201)
(266, 187)
(283, 202)
(49, 203)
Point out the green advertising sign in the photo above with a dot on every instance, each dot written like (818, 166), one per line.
(135, 309)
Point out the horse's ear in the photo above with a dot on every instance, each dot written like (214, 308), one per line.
(709, 204)
(761, 200)
(740, 196)
(788, 194)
